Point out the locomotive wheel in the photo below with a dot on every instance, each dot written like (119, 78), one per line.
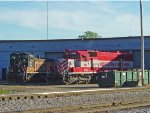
(73, 80)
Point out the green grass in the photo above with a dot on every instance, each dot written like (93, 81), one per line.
(2, 91)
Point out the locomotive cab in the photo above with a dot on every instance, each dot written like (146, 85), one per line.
(18, 65)
(80, 64)
(21, 59)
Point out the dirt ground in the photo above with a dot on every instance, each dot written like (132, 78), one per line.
(21, 89)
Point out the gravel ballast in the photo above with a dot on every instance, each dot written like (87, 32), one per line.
(145, 109)
(101, 98)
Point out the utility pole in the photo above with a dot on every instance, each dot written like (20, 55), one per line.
(142, 45)
(47, 20)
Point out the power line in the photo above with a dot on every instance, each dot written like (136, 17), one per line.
(47, 20)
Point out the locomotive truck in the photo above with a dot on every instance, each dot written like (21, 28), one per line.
(74, 67)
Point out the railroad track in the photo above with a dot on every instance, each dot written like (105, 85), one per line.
(98, 108)
(81, 101)
(88, 108)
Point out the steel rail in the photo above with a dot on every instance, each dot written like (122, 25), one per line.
(90, 108)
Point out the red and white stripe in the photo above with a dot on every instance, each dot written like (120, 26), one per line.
(62, 65)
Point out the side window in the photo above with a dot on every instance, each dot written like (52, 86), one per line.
(69, 63)
(77, 63)
(93, 54)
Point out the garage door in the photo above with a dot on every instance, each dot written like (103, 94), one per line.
(54, 55)
(137, 59)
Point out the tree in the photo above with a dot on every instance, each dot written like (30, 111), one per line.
(89, 35)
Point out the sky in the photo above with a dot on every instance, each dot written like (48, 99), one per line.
(27, 20)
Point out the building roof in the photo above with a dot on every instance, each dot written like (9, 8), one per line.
(112, 38)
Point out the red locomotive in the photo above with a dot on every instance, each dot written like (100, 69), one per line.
(82, 65)
(75, 66)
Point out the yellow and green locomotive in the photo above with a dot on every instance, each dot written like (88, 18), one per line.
(25, 67)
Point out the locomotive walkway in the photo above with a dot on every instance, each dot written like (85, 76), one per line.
(90, 100)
